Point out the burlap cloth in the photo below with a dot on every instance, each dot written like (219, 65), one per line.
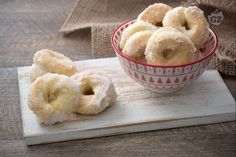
(103, 16)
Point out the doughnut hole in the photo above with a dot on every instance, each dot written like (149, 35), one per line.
(87, 94)
(52, 97)
(88, 90)
(186, 25)
(168, 53)
(159, 24)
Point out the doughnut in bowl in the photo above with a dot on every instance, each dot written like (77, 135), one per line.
(164, 79)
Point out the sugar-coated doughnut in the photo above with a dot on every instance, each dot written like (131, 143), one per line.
(167, 46)
(198, 55)
(53, 97)
(136, 44)
(45, 61)
(37, 71)
(96, 93)
(190, 21)
(133, 28)
(154, 13)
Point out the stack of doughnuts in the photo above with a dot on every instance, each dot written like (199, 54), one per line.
(166, 36)
(58, 91)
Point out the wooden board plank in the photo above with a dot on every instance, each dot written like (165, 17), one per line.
(207, 100)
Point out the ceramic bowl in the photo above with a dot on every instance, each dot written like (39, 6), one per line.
(164, 79)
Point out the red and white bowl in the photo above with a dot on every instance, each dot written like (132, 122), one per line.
(164, 79)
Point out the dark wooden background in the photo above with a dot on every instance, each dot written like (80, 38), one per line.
(29, 25)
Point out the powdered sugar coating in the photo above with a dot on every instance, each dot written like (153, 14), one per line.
(167, 46)
(136, 44)
(194, 18)
(133, 28)
(154, 13)
(97, 92)
(52, 62)
(53, 97)
(37, 71)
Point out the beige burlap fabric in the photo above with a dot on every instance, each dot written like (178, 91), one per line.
(101, 41)
(103, 16)
(221, 17)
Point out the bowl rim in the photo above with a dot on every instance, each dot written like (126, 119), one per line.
(118, 51)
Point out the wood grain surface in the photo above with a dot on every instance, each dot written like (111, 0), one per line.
(207, 100)
(29, 25)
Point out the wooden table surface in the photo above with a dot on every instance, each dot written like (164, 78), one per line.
(30, 25)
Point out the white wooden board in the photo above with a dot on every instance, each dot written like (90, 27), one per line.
(207, 100)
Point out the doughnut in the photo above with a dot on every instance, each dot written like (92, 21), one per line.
(96, 93)
(190, 21)
(198, 55)
(136, 44)
(154, 13)
(133, 28)
(53, 97)
(37, 71)
(45, 61)
(167, 46)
